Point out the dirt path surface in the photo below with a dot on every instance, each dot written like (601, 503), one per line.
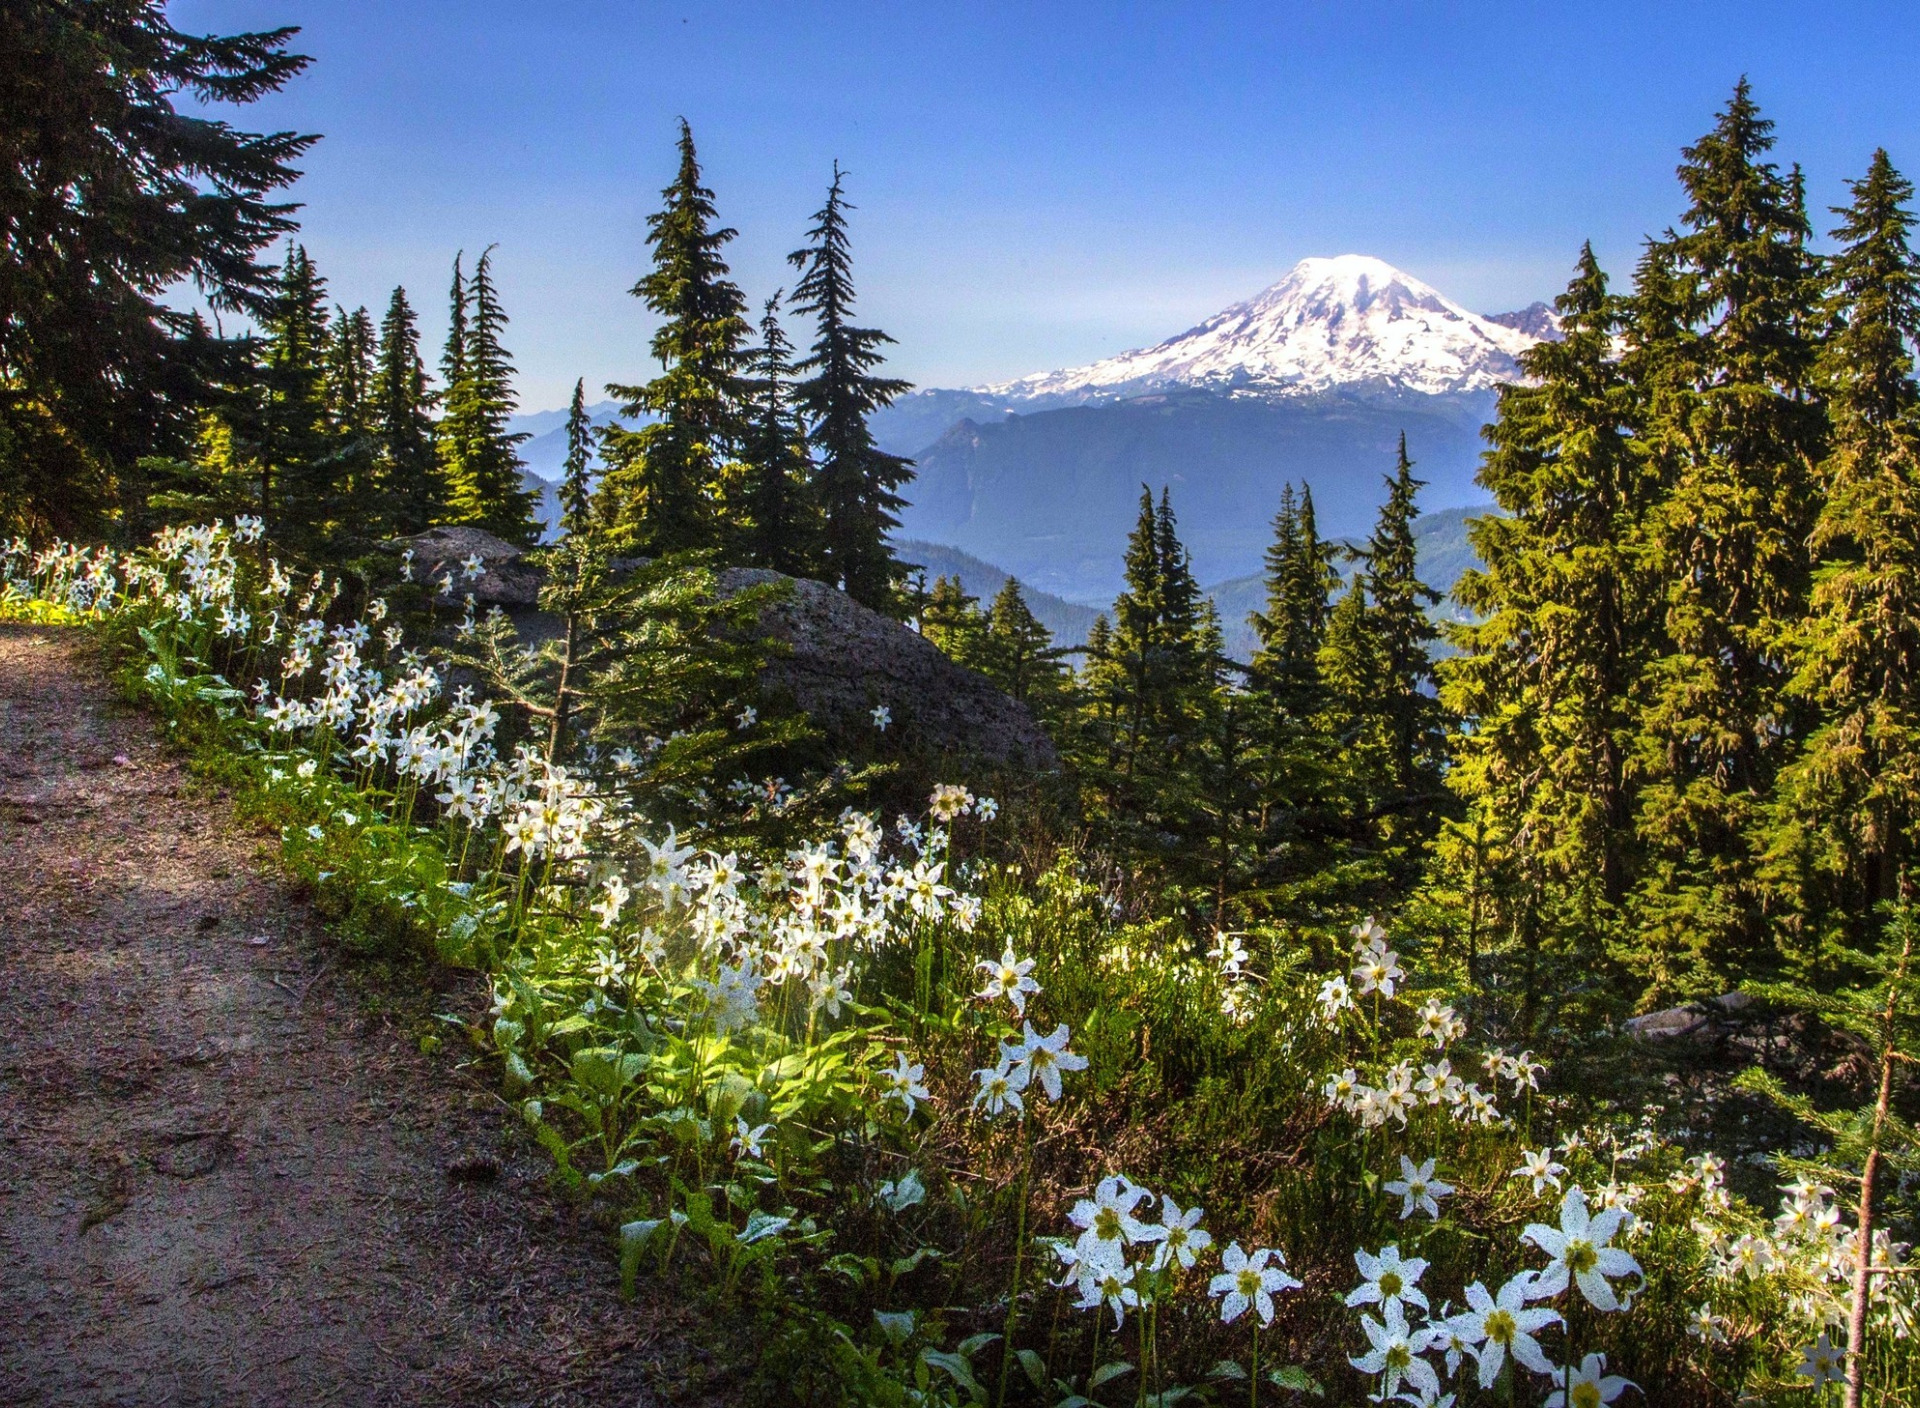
(224, 1179)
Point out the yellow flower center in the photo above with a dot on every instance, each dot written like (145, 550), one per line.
(1106, 1225)
(1390, 1284)
(1581, 1256)
(1501, 1327)
(1248, 1282)
(1586, 1396)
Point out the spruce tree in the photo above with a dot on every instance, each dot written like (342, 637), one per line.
(123, 175)
(1300, 581)
(412, 492)
(856, 482)
(483, 467)
(664, 480)
(1566, 618)
(576, 483)
(781, 528)
(292, 439)
(350, 406)
(1398, 616)
(952, 620)
(1018, 654)
(1732, 426)
(1848, 809)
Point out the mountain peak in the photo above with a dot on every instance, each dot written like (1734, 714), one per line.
(1348, 320)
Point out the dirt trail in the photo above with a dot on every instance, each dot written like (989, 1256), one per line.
(223, 1179)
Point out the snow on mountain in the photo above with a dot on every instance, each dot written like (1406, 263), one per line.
(1330, 322)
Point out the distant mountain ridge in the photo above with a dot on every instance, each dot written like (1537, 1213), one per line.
(1348, 321)
(1312, 381)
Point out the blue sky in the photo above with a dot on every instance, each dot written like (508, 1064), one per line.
(1038, 184)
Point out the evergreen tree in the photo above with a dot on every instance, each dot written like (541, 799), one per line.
(1848, 808)
(1399, 621)
(113, 189)
(952, 620)
(1567, 618)
(576, 484)
(1732, 427)
(291, 438)
(412, 492)
(1018, 654)
(481, 456)
(781, 527)
(856, 482)
(664, 479)
(350, 407)
(1300, 581)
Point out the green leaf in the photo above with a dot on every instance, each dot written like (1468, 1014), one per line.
(955, 1367)
(973, 1344)
(1107, 1372)
(762, 1225)
(634, 1237)
(1227, 1369)
(896, 1325)
(1035, 1366)
(1292, 1376)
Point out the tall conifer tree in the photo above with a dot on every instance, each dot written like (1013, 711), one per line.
(293, 440)
(1848, 810)
(1733, 427)
(1398, 617)
(576, 481)
(483, 467)
(1567, 618)
(782, 525)
(856, 482)
(413, 494)
(664, 480)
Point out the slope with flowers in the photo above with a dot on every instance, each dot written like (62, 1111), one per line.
(953, 1128)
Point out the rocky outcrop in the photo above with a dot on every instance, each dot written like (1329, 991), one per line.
(839, 660)
(843, 660)
(506, 579)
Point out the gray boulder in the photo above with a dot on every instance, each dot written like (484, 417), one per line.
(840, 661)
(844, 660)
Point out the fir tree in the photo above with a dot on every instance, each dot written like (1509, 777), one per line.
(576, 483)
(952, 620)
(1399, 621)
(1732, 427)
(413, 495)
(481, 456)
(782, 525)
(292, 440)
(856, 482)
(1018, 654)
(350, 406)
(1300, 581)
(663, 480)
(1848, 807)
(1567, 618)
(122, 175)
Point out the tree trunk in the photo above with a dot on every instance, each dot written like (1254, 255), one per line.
(1869, 1171)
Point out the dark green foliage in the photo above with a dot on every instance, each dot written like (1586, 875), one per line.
(108, 195)
(412, 493)
(479, 455)
(292, 438)
(576, 484)
(1018, 654)
(1568, 618)
(1731, 427)
(1848, 806)
(782, 528)
(856, 484)
(665, 482)
(1405, 635)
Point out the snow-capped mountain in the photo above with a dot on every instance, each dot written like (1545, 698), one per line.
(1347, 321)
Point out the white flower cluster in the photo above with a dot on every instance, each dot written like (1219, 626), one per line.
(1101, 1264)
(1410, 1350)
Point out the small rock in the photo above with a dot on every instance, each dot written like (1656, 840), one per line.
(121, 760)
